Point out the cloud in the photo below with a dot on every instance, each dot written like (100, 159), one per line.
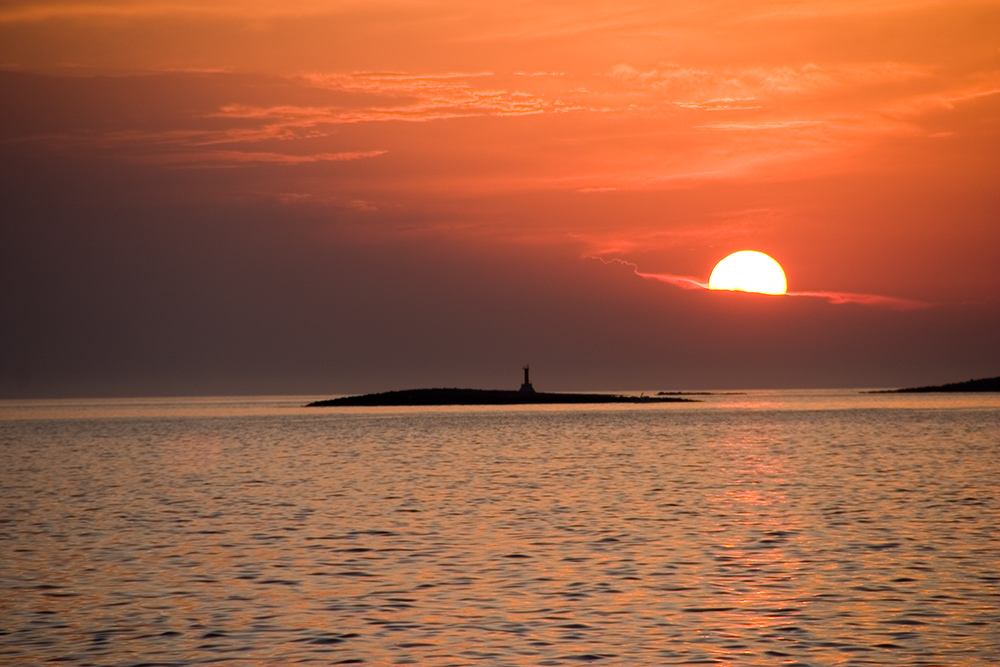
(361, 205)
(397, 97)
(690, 283)
(666, 127)
(895, 303)
(233, 158)
(685, 282)
(729, 84)
(433, 96)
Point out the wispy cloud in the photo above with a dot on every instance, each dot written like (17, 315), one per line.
(739, 86)
(397, 97)
(893, 302)
(685, 282)
(423, 97)
(233, 158)
(690, 283)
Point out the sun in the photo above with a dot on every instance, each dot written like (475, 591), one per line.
(749, 271)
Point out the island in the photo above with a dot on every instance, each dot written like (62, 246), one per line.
(484, 397)
(526, 395)
(984, 384)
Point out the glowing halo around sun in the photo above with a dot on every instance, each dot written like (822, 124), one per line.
(749, 271)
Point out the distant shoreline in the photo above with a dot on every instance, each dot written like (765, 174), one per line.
(982, 385)
(483, 397)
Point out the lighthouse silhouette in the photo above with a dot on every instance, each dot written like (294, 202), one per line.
(526, 386)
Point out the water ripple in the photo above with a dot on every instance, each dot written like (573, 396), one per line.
(624, 537)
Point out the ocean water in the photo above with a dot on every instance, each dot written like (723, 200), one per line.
(771, 528)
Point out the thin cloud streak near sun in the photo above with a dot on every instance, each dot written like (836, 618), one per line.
(687, 282)
(865, 299)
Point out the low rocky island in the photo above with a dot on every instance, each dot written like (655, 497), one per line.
(984, 384)
(484, 397)
(526, 395)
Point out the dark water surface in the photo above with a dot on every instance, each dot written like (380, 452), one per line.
(776, 528)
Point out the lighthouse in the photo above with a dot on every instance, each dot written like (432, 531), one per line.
(526, 386)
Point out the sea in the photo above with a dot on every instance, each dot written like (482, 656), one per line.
(797, 528)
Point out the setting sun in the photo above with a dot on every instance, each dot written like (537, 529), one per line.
(749, 271)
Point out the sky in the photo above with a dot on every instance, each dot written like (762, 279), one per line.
(324, 197)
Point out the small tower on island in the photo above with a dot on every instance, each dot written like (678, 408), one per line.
(526, 386)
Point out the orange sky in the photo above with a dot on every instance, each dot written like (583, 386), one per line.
(454, 149)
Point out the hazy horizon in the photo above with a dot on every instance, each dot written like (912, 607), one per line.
(593, 390)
